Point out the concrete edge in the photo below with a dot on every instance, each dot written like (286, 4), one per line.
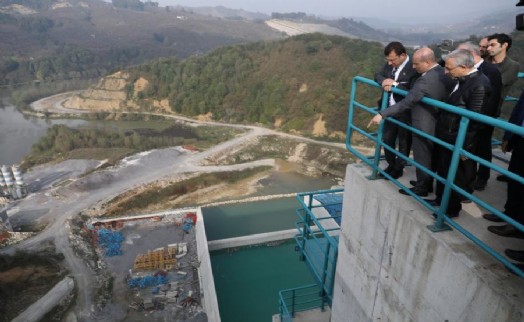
(205, 272)
(45, 304)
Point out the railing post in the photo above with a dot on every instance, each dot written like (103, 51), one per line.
(325, 267)
(307, 223)
(293, 303)
(378, 146)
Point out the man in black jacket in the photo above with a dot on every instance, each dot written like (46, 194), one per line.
(492, 109)
(472, 93)
(398, 71)
(514, 206)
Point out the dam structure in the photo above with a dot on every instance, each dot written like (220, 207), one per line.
(394, 257)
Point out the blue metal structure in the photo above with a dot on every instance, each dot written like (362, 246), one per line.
(317, 243)
(300, 299)
(443, 222)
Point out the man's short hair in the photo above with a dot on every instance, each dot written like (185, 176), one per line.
(396, 47)
(463, 57)
(501, 39)
(471, 47)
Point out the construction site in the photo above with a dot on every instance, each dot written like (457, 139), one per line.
(154, 263)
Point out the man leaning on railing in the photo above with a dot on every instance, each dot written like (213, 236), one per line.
(514, 207)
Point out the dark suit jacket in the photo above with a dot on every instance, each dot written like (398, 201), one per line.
(517, 116)
(472, 94)
(433, 84)
(406, 77)
(495, 79)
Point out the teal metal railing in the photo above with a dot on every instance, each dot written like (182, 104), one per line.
(300, 299)
(317, 239)
(443, 222)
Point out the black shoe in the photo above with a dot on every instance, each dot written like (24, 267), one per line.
(506, 231)
(480, 184)
(433, 202)
(396, 173)
(387, 170)
(492, 217)
(414, 183)
(516, 255)
(416, 190)
(502, 178)
(449, 215)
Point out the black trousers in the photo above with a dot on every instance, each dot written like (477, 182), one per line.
(484, 151)
(514, 207)
(391, 133)
(465, 178)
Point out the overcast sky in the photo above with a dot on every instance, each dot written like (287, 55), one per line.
(389, 9)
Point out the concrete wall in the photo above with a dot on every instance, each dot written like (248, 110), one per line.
(46, 303)
(251, 239)
(207, 283)
(392, 268)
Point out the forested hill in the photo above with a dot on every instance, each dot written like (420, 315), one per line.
(293, 84)
(53, 40)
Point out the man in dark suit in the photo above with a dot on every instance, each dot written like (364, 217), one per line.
(433, 84)
(514, 206)
(398, 71)
(492, 108)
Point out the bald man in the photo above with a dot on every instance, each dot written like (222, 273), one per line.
(432, 84)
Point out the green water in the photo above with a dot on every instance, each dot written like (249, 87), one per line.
(250, 218)
(248, 280)
(244, 219)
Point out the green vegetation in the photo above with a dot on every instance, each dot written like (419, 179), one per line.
(293, 81)
(158, 196)
(113, 141)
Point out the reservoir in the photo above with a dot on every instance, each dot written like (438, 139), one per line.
(18, 132)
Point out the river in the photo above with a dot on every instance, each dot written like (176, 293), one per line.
(18, 132)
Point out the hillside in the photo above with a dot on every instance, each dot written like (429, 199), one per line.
(300, 84)
(50, 40)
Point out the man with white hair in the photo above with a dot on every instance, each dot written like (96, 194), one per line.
(492, 108)
(472, 93)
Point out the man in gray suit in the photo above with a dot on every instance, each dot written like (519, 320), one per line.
(433, 84)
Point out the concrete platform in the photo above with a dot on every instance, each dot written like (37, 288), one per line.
(392, 268)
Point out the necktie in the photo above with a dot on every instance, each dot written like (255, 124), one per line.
(393, 72)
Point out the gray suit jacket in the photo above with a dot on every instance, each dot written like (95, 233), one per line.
(434, 84)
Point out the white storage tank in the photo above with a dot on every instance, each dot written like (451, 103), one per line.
(18, 176)
(2, 181)
(8, 178)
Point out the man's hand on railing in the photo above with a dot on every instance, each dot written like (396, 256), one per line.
(375, 120)
(387, 84)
